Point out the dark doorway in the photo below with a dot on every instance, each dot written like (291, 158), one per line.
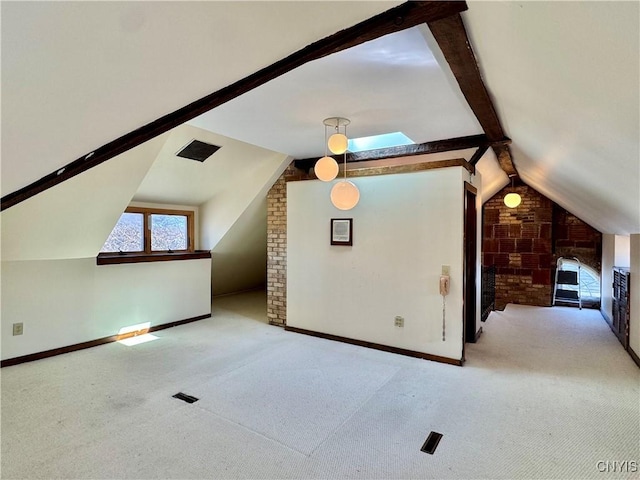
(470, 260)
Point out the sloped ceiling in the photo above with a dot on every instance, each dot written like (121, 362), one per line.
(390, 84)
(76, 75)
(564, 76)
(177, 180)
(74, 219)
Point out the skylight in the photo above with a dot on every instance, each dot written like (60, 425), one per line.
(375, 142)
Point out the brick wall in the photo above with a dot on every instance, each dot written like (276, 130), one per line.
(277, 245)
(524, 242)
(574, 238)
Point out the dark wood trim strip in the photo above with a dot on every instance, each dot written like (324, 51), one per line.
(57, 351)
(478, 335)
(478, 155)
(376, 346)
(91, 343)
(371, 171)
(117, 258)
(634, 356)
(399, 18)
(380, 168)
(470, 188)
(177, 323)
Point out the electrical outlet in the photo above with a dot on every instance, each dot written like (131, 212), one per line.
(17, 328)
(446, 270)
(399, 321)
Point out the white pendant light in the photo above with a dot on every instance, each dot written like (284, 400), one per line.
(512, 199)
(338, 143)
(326, 169)
(345, 195)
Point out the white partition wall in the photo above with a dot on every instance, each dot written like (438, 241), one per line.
(405, 228)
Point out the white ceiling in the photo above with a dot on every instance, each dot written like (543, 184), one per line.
(564, 77)
(565, 80)
(177, 180)
(387, 85)
(76, 75)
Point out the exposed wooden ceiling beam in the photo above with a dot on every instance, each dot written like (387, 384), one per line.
(452, 39)
(438, 146)
(504, 159)
(403, 16)
(478, 155)
(357, 171)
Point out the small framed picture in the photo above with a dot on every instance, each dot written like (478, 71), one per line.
(342, 231)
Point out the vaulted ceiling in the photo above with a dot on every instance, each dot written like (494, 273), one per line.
(563, 77)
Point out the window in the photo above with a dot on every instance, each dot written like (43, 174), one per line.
(375, 142)
(589, 280)
(148, 231)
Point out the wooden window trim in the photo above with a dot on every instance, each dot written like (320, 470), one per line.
(147, 212)
(148, 255)
(141, 257)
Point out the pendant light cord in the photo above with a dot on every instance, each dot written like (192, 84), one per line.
(345, 153)
(443, 315)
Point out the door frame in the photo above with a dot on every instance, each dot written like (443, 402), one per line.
(470, 266)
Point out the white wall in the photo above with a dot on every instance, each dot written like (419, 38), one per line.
(239, 261)
(406, 227)
(622, 251)
(233, 225)
(634, 295)
(64, 302)
(218, 214)
(606, 279)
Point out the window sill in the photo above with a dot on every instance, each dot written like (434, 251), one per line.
(117, 258)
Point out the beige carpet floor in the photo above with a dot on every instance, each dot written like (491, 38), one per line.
(545, 393)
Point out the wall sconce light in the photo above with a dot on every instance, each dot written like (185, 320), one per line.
(344, 194)
(512, 199)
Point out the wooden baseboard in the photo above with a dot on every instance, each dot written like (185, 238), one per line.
(634, 355)
(261, 288)
(155, 328)
(91, 343)
(606, 318)
(376, 346)
(478, 334)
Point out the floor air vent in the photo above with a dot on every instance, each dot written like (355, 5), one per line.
(198, 151)
(431, 443)
(185, 397)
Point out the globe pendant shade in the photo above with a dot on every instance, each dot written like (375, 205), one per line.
(345, 195)
(326, 169)
(338, 143)
(512, 200)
